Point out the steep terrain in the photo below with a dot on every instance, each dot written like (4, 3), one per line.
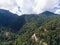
(32, 29)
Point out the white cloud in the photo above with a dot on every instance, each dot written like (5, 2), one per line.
(39, 6)
(28, 6)
(57, 11)
(8, 5)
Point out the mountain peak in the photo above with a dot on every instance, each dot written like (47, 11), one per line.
(47, 13)
(7, 12)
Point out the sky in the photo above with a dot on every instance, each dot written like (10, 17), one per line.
(21, 7)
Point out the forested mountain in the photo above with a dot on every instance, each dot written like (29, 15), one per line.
(29, 29)
(8, 19)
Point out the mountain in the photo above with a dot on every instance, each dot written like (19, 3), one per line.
(8, 19)
(48, 13)
(29, 29)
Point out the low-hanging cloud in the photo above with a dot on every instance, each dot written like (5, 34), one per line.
(28, 6)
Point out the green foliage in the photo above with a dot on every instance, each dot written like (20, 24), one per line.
(18, 30)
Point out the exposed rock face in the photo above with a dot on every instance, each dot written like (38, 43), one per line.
(6, 33)
(44, 43)
(34, 37)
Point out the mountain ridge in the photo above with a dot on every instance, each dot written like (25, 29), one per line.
(18, 30)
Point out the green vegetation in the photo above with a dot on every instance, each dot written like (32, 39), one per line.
(33, 29)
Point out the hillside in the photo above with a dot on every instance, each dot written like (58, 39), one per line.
(48, 33)
(32, 29)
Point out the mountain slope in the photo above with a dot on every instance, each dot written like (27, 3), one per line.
(19, 30)
(48, 33)
(8, 19)
(33, 25)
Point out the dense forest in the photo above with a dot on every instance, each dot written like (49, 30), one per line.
(29, 29)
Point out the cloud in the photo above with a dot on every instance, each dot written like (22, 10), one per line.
(28, 6)
(32, 6)
(36, 6)
(9, 5)
(56, 9)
